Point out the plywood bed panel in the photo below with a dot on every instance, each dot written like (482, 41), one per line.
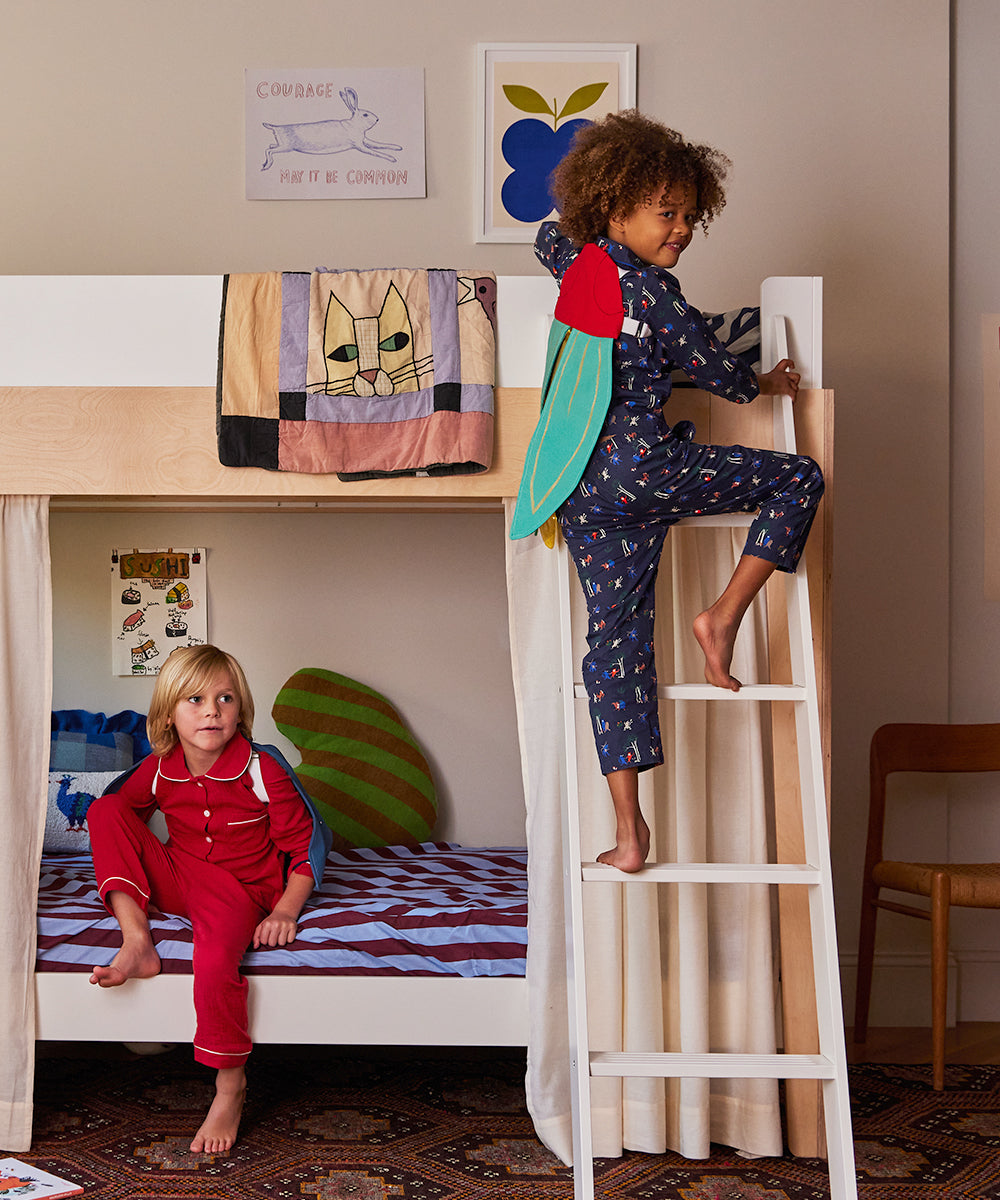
(160, 443)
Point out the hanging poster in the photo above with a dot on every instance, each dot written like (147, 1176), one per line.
(334, 133)
(532, 99)
(159, 600)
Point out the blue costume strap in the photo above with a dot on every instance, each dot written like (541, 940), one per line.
(322, 838)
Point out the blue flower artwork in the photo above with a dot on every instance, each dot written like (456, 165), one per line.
(534, 147)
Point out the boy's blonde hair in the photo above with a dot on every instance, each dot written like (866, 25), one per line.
(187, 672)
(614, 165)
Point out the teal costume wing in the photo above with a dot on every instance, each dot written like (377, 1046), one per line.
(575, 396)
(576, 388)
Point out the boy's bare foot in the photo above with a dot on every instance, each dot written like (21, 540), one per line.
(631, 849)
(222, 1122)
(717, 639)
(133, 961)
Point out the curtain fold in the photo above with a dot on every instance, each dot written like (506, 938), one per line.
(672, 967)
(25, 705)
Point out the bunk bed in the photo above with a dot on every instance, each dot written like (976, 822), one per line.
(74, 425)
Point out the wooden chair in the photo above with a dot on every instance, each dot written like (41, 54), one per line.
(930, 748)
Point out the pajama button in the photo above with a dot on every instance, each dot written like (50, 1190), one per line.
(208, 812)
(208, 839)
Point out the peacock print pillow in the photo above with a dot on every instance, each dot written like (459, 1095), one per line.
(71, 793)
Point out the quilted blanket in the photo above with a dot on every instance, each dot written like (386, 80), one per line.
(360, 373)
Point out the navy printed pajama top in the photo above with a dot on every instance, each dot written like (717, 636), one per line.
(680, 334)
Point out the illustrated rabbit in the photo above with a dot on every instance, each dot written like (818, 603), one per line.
(329, 137)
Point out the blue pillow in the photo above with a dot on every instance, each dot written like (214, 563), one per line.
(86, 741)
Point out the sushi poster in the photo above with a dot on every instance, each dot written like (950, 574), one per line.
(159, 600)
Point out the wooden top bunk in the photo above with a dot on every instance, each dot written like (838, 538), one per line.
(118, 406)
(107, 399)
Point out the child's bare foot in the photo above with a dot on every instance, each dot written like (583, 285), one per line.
(133, 961)
(630, 851)
(222, 1122)
(717, 639)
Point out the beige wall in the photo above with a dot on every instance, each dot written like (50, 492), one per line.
(122, 153)
(973, 822)
(411, 605)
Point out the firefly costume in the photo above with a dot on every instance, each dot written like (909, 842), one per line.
(224, 866)
(622, 327)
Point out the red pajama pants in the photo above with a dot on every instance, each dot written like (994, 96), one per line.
(223, 913)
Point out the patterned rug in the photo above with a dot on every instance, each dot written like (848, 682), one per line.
(327, 1124)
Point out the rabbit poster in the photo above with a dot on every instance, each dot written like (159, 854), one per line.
(334, 133)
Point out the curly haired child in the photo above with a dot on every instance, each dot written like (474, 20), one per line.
(630, 194)
(239, 865)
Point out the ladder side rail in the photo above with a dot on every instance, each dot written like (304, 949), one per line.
(822, 914)
(576, 971)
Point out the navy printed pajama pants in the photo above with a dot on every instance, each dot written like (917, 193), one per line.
(641, 479)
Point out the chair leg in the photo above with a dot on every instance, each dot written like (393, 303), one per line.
(866, 956)
(940, 903)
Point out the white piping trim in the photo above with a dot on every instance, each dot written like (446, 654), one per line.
(223, 1053)
(121, 879)
(229, 778)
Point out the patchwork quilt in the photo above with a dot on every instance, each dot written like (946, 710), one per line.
(365, 374)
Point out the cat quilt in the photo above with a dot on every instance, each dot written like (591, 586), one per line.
(364, 374)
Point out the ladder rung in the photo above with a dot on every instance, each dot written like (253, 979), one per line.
(795, 873)
(749, 691)
(705, 691)
(626, 1064)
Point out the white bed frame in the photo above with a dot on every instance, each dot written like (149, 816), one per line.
(73, 411)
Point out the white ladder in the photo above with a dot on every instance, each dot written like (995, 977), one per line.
(830, 1064)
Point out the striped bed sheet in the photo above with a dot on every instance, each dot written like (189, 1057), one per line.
(437, 909)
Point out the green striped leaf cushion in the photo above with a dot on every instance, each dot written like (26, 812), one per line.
(360, 763)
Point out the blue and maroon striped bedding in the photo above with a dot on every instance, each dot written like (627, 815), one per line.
(439, 909)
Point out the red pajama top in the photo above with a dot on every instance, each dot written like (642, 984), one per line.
(217, 816)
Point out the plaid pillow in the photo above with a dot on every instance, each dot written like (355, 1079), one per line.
(86, 741)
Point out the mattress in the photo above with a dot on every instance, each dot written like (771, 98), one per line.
(436, 909)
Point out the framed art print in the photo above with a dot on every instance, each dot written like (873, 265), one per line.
(334, 133)
(532, 99)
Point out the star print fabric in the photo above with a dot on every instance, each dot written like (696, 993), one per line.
(642, 478)
(679, 336)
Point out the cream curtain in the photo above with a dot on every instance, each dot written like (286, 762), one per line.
(678, 967)
(25, 704)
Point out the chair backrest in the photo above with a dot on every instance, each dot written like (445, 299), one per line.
(923, 747)
(927, 747)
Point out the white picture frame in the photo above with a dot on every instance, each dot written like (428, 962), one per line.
(523, 87)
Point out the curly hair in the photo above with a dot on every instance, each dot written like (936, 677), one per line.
(616, 163)
(187, 672)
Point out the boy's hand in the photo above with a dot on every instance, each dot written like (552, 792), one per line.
(278, 929)
(782, 380)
